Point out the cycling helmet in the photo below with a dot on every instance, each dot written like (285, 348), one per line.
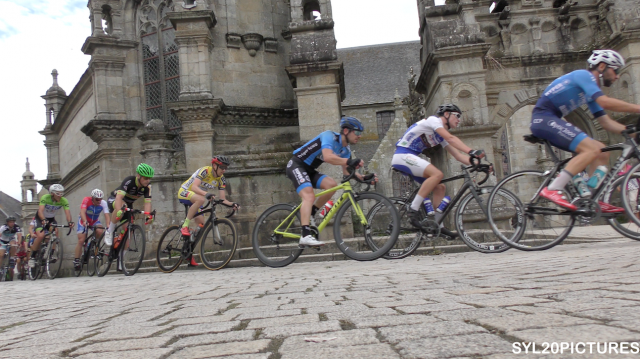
(145, 170)
(351, 123)
(96, 193)
(447, 107)
(221, 160)
(9, 219)
(56, 189)
(609, 57)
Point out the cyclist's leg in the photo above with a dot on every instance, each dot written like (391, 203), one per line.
(297, 172)
(195, 201)
(438, 194)
(82, 236)
(324, 182)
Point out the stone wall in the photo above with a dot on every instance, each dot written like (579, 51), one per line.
(74, 146)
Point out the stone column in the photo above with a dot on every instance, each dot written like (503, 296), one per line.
(193, 37)
(107, 64)
(156, 144)
(197, 118)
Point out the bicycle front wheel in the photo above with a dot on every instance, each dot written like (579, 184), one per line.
(133, 252)
(102, 258)
(372, 235)
(277, 249)
(531, 222)
(472, 222)
(54, 258)
(91, 269)
(169, 252)
(624, 192)
(219, 243)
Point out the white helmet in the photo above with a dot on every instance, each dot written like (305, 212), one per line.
(609, 57)
(56, 189)
(96, 193)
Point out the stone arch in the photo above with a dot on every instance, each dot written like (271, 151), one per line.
(510, 102)
(581, 33)
(309, 9)
(466, 96)
(623, 87)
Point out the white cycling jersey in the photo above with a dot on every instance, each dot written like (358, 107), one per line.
(421, 135)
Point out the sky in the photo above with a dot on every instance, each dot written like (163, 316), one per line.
(37, 36)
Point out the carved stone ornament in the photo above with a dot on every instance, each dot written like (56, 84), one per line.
(270, 44)
(252, 42)
(103, 130)
(234, 40)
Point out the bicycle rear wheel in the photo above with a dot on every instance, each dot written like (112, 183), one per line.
(169, 252)
(410, 237)
(472, 223)
(366, 242)
(54, 258)
(219, 243)
(277, 250)
(132, 254)
(102, 258)
(537, 223)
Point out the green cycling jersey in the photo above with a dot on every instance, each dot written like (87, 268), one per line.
(51, 207)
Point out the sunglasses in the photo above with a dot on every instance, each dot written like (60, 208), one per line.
(358, 133)
(96, 199)
(224, 168)
(616, 70)
(458, 115)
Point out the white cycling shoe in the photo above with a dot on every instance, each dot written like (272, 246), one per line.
(310, 241)
(108, 238)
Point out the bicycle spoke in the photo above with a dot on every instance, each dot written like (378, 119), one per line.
(218, 244)
(277, 249)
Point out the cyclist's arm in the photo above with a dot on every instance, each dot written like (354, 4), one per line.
(147, 206)
(329, 157)
(18, 237)
(458, 155)
(611, 125)
(222, 195)
(68, 214)
(117, 203)
(613, 104)
(107, 217)
(83, 215)
(195, 187)
(453, 140)
(41, 212)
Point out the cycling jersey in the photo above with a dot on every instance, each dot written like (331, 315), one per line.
(51, 207)
(207, 178)
(569, 92)
(311, 152)
(132, 190)
(7, 234)
(420, 136)
(93, 211)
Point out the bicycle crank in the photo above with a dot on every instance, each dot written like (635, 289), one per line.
(588, 210)
(430, 228)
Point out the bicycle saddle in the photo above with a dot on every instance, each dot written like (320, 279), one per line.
(533, 139)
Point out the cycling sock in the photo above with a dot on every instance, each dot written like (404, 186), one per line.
(415, 205)
(186, 222)
(112, 227)
(306, 231)
(563, 178)
(314, 210)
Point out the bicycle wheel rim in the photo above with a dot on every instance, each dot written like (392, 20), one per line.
(91, 269)
(623, 223)
(633, 174)
(218, 244)
(272, 249)
(132, 252)
(101, 260)
(54, 253)
(169, 252)
(472, 223)
(409, 237)
(538, 224)
(370, 241)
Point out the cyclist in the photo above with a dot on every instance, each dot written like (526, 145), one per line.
(424, 134)
(565, 95)
(10, 233)
(49, 205)
(330, 147)
(90, 210)
(132, 188)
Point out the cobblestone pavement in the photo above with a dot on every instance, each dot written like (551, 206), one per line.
(467, 305)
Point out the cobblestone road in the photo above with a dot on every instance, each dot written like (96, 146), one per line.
(467, 305)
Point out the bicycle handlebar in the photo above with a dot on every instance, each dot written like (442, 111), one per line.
(368, 179)
(214, 202)
(477, 166)
(70, 226)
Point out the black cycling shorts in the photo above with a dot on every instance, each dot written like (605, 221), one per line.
(302, 175)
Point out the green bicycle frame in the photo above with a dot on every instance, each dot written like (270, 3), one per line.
(325, 222)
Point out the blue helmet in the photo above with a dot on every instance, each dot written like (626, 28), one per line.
(351, 123)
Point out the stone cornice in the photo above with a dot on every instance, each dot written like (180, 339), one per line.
(530, 12)
(543, 59)
(626, 38)
(208, 16)
(309, 68)
(196, 105)
(311, 25)
(94, 42)
(257, 116)
(101, 130)
(475, 130)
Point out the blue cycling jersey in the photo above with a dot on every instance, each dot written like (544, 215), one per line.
(569, 92)
(311, 152)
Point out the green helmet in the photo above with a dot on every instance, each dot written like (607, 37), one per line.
(145, 170)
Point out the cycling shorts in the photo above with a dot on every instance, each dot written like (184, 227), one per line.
(184, 196)
(411, 165)
(7, 245)
(126, 215)
(81, 228)
(39, 224)
(559, 132)
(303, 175)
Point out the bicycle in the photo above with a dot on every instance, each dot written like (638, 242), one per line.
(469, 218)
(127, 249)
(88, 251)
(218, 235)
(6, 273)
(22, 268)
(50, 254)
(277, 231)
(544, 224)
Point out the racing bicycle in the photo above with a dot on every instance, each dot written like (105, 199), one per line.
(49, 257)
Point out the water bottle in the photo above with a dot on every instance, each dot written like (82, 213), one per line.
(325, 209)
(581, 185)
(428, 207)
(597, 177)
(443, 204)
(118, 239)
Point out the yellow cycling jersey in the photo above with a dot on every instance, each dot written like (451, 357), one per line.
(207, 180)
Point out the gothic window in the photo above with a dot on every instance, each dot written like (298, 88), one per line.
(385, 118)
(161, 64)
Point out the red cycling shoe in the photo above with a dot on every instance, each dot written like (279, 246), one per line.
(192, 262)
(607, 208)
(185, 231)
(557, 197)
